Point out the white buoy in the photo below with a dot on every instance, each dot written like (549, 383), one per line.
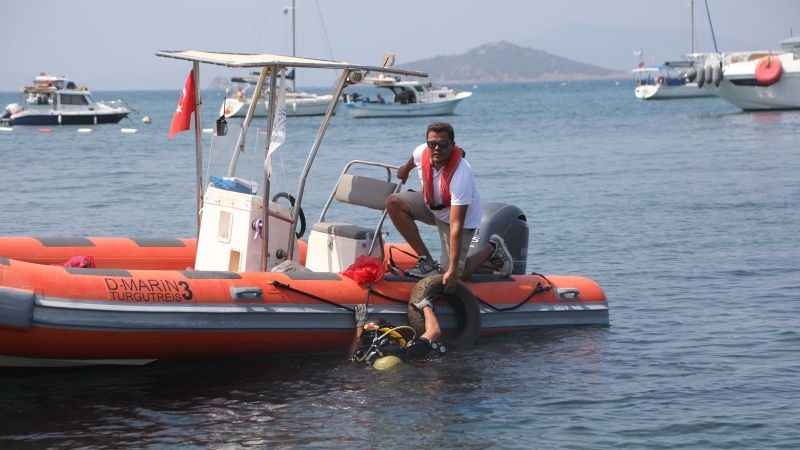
(84, 130)
(128, 130)
(146, 119)
(6, 129)
(208, 130)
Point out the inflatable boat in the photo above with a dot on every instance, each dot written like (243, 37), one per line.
(252, 283)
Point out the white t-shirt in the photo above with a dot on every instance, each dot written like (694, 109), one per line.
(462, 190)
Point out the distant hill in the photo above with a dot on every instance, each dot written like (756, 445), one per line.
(506, 62)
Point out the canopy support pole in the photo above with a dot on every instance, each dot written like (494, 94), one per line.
(273, 100)
(340, 85)
(239, 147)
(198, 140)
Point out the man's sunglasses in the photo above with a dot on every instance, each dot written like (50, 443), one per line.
(439, 145)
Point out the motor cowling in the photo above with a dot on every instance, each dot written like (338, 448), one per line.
(510, 223)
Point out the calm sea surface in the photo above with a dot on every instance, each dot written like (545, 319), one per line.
(686, 212)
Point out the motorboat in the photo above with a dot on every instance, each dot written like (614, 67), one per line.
(237, 100)
(55, 100)
(672, 80)
(763, 80)
(406, 98)
(252, 282)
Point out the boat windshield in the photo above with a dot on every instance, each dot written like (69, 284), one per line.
(73, 99)
(672, 75)
(403, 95)
(645, 76)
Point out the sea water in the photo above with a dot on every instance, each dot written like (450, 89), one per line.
(686, 212)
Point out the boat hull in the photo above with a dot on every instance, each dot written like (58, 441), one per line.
(667, 92)
(66, 118)
(56, 316)
(360, 110)
(739, 85)
(785, 94)
(294, 108)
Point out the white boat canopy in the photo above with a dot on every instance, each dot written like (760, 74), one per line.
(245, 60)
(271, 66)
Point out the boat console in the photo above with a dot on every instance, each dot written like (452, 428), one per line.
(232, 231)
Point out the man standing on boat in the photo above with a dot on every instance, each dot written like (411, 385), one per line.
(449, 201)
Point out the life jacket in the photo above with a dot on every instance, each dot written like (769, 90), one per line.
(444, 181)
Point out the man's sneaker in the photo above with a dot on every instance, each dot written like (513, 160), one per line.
(425, 267)
(501, 258)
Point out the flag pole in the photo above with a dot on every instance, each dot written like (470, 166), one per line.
(198, 140)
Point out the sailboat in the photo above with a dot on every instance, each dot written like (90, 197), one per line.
(675, 79)
(297, 103)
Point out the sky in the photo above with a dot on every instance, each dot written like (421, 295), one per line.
(110, 45)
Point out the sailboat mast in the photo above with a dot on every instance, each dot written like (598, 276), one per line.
(294, 47)
(691, 42)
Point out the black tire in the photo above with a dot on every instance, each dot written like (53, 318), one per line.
(462, 302)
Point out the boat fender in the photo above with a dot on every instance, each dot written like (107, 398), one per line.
(16, 308)
(768, 71)
(716, 75)
(701, 77)
(461, 301)
(690, 75)
(709, 74)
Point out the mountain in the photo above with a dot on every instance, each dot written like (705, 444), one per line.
(506, 62)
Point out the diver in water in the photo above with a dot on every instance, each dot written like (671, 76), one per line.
(383, 346)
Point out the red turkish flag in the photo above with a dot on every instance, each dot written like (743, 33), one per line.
(186, 105)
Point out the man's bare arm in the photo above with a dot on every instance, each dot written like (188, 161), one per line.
(405, 169)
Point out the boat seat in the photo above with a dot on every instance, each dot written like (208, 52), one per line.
(333, 246)
(363, 191)
(346, 230)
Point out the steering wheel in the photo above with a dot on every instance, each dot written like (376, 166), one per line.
(302, 215)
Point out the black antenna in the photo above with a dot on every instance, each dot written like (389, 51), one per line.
(711, 25)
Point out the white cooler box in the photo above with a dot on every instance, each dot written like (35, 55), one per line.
(333, 247)
(227, 241)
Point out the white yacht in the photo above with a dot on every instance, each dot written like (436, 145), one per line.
(54, 100)
(408, 98)
(237, 100)
(673, 79)
(763, 80)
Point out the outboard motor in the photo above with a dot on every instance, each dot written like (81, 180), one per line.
(510, 223)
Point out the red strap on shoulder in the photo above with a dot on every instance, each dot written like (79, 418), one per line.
(444, 181)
